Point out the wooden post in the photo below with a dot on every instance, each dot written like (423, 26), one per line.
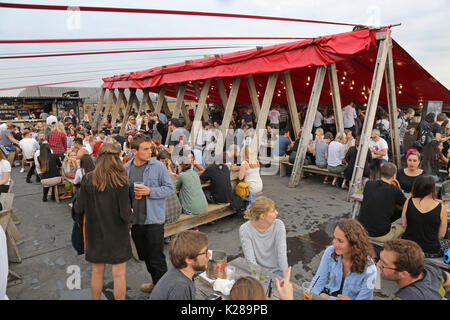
(228, 113)
(253, 94)
(198, 93)
(392, 106)
(108, 104)
(199, 111)
(146, 100)
(115, 110)
(222, 91)
(291, 102)
(336, 97)
(178, 105)
(99, 109)
(126, 114)
(307, 126)
(161, 98)
(264, 112)
(383, 48)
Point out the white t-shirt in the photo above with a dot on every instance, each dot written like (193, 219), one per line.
(28, 146)
(274, 116)
(5, 166)
(336, 153)
(36, 161)
(318, 119)
(385, 123)
(329, 120)
(378, 146)
(349, 116)
(3, 266)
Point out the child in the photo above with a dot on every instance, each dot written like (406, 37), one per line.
(321, 152)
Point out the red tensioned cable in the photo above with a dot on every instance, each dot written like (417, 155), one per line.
(157, 11)
(108, 52)
(145, 39)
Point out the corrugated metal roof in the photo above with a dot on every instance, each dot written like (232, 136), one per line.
(89, 94)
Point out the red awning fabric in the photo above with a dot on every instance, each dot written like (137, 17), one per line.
(354, 54)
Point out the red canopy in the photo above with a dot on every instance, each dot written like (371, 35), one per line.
(354, 54)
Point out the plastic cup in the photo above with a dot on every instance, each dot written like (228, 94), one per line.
(231, 273)
(255, 271)
(138, 183)
(306, 291)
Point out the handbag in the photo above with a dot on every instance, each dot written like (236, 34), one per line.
(50, 182)
(242, 189)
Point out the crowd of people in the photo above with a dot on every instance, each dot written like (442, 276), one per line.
(135, 183)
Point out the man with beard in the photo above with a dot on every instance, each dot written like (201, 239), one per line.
(189, 254)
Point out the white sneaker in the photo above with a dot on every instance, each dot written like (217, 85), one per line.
(22, 170)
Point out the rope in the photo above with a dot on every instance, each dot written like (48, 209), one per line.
(156, 11)
(145, 39)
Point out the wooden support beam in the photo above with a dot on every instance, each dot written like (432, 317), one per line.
(253, 94)
(199, 111)
(291, 102)
(117, 106)
(161, 99)
(222, 91)
(380, 65)
(264, 112)
(336, 97)
(126, 114)
(392, 106)
(111, 96)
(307, 126)
(198, 93)
(98, 109)
(228, 113)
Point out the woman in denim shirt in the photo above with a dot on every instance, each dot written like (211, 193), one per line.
(347, 271)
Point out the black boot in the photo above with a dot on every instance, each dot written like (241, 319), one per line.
(44, 198)
(28, 180)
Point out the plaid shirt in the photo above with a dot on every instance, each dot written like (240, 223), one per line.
(57, 141)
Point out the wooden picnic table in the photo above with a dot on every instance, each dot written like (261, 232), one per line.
(205, 289)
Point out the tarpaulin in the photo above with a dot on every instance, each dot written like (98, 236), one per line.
(354, 54)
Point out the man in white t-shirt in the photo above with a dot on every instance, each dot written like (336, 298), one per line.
(379, 149)
(349, 116)
(29, 146)
(274, 117)
(318, 119)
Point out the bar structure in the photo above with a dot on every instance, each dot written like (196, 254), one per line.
(217, 80)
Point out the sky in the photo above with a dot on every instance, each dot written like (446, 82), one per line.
(424, 33)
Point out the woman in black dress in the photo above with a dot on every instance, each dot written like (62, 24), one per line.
(50, 165)
(104, 199)
(408, 175)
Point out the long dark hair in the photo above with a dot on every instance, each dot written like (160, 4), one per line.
(86, 163)
(109, 170)
(423, 186)
(431, 154)
(44, 156)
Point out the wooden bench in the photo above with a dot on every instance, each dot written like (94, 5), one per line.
(188, 221)
(13, 235)
(309, 168)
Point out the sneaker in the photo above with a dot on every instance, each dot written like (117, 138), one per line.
(22, 170)
(65, 196)
(147, 287)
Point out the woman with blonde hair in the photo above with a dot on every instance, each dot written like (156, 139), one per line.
(104, 200)
(249, 170)
(347, 270)
(336, 156)
(263, 238)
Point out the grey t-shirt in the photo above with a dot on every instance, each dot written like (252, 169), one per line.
(4, 138)
(321, 149)
(175, 136)
(174, 285)
(268, 248)
(430, 287)
(139, 206)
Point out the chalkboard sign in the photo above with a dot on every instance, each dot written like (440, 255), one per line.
(432, 106)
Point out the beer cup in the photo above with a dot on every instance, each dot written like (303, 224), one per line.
(137, 183)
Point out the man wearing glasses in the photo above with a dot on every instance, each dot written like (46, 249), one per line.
(403, 261)
(189, 254)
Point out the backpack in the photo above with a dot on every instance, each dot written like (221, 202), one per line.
(384, 133)
(425, 135)
(242, 189)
